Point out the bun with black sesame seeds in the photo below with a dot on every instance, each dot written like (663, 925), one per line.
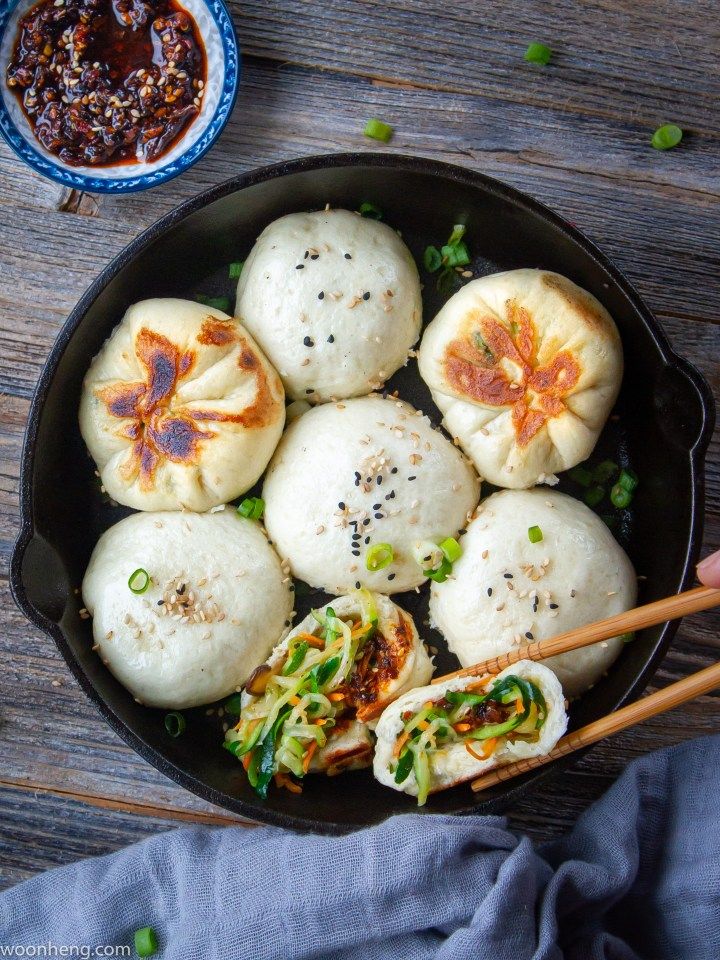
(508, 589)
(334, 300)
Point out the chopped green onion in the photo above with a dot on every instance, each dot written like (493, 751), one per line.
(146, 942)
(666, 137)
(627, 637)
(535, 534)
(604, 471)
(581, 475)
(628, 479)
(620, 497)
(296, 658)
(378, 130)
(379, 556)
(432, 259)
(235, 269)
(441, 574)
(405, 764)
(217, 303)
(139, 581)
(370, 210)
(456, 255)
(175, 723)
(233, 705)
(252, 508)
(538, 53)
(451, 548)
(594, 495)
(458, 232)
(446, 280)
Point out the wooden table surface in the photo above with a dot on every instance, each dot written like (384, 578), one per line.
(452, 81)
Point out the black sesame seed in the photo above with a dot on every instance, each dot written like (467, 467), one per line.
(348, 256)
(366, 295)
(357, 482)
(314, 256)
(366, 521)
(412, 478)
(160, 602)
(508, 576)
(308, 341)
(378, 479)
(291, 588)
(368, 479)
(357, 584)
(307, 254)
(376, 506)
(355, 536)
(300, 266)
(489, 591)
(378, 516)
(331, 339)
(367, 539)
(341, 505)
(553, 606)
(321, 295)
(391, 576)
(356, 553)
(287, 623)
(394, 470)
(529, 635)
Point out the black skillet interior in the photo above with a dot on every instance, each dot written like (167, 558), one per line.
(661, 427)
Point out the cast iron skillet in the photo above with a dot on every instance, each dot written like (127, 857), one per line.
(664, 423)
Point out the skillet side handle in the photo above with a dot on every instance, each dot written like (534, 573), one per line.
(38, 580)
(686, 407)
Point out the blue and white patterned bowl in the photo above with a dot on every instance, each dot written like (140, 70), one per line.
(223, 75)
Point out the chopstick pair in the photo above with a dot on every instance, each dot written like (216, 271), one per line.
(671, 608)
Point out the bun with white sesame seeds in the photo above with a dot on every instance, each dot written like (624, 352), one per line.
(180, 409)
(353, 476)
(216, 603)
(525, 367)
(334, 300)
(507, 590)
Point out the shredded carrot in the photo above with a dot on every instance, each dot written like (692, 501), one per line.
(400, 743)
(428, 705)
(336, 696)
(462, 727)
(359, 630)
(309, 755)
(246, 757)
(321, 722)
(294, 700)
(487, 748)
(423, 725)
(519, 705)
(480, 683)
(283, 780)
(310, 639)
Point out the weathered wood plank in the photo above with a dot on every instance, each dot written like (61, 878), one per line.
(637, 61)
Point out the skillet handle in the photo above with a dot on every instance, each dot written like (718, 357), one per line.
(38, 579)
(685, 406)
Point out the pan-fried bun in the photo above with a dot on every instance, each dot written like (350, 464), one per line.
(334, 300)
(525, 367)
(215, 606)
(180, 409)
(506, 590)
(349, 476)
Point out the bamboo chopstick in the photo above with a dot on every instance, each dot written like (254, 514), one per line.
(658, 702)
(679, 605)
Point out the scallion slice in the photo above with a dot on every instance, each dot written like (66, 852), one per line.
(581, 475)
(233, 705)
(451, 549)
(404, 766)
(594, 495)
(252, 508)
(535, 534)
(439, 575)
(369, 210)
(456, 255)
(605, 471)
(174, 723)
(458, 232)
(217, 303)
(432, 258)
(379, 556)
(628, 479)
(139, 581)
(620, 497)
(146, 942)
(538, 53)
(235, 269)
(666, 137)
(378, 130)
